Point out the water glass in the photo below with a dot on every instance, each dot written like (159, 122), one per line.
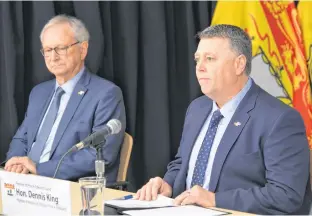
(92, 194)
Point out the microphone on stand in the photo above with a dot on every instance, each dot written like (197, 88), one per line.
(112, 127)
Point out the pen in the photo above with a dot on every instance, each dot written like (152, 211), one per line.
(126, 197)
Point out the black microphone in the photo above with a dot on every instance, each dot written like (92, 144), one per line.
(112, 127)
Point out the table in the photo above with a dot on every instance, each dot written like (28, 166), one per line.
(112, 194)
(108, 194)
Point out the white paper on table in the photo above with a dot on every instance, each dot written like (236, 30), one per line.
(177, 210)
(161, 201)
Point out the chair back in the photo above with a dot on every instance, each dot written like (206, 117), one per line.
(125, 154)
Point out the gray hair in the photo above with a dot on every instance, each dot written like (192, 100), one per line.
(238, 38)
(78, 27)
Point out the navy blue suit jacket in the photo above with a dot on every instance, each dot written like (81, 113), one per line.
(85, 113)
(261, 166)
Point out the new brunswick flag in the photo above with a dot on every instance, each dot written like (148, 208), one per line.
(305, 20)
(279, 60)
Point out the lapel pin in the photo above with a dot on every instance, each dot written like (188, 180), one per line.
(81, 92)
(237, 124)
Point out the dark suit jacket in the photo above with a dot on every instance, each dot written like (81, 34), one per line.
(261, 166)
(85, 113)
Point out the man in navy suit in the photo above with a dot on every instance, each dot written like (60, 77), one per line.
(241, 148)
(64, 111)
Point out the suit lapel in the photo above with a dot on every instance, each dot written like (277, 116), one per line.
(229, 138)
(48, 93)
(77, 95)
(233, 130)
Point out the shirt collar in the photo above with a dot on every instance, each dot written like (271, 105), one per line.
(69, 86)
(229, 108)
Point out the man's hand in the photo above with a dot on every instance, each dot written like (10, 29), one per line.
(154, 187)
(17, 168)
(16, 163)
(196, 195)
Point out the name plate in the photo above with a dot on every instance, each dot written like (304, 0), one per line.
(34, 195)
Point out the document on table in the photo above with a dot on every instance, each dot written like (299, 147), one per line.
(161, 206)
(161, 201)
(178, 211)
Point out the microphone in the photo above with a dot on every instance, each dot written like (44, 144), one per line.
(113, 126)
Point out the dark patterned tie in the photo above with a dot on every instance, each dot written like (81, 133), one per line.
(47, 125)
(203, 154)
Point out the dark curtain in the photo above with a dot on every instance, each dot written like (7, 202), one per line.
(146, 48)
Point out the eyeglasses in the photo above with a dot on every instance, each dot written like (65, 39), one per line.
(58, 50)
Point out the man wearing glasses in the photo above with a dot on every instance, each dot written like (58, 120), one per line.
(64, 111)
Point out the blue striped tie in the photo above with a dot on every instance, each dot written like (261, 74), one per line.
(203, 154)
(47, 125)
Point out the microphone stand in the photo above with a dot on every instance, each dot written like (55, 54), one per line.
(99, 161)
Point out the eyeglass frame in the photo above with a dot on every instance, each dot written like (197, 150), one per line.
(63, 48)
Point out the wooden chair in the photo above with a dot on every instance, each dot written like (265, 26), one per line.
(125, 154)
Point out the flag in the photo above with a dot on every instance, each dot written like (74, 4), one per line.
(279, 62)
(305, 20)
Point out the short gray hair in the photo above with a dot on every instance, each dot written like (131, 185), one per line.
(238, 38)
(78, 27)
